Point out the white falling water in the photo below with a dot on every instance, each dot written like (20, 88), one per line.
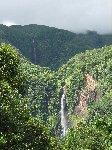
(63, 114)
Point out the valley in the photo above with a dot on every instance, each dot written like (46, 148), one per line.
(39, 105)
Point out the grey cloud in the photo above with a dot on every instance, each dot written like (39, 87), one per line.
(74, 15)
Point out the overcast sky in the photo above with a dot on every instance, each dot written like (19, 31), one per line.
(74, 15)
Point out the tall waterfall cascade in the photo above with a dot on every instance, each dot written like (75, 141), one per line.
(63, 112)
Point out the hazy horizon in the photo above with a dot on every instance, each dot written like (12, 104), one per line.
(80, 32)
(75, 16)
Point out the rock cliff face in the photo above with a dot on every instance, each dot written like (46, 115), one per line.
(86, 95)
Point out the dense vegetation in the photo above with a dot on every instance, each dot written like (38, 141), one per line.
(30, 102)
(95, 132)
(19, 130)
(43, 45)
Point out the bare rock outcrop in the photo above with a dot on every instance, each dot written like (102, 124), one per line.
(89, 92)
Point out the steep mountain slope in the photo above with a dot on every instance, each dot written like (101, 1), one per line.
(87, 76)
(30, 94)
(97, 63)
(18, 128)
(43, 45)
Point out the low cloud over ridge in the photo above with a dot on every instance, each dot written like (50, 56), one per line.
(73, 15)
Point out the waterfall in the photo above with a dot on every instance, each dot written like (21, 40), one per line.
(63, 112)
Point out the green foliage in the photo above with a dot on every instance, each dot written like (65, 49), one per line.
(96, 132)
(101, 108)
(43, 45)
(44, 85)
(9, 61)
(19, 130)
(97, 62)
(94, 136)
(30, 101)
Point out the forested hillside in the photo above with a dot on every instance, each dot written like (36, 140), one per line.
(31, 102)
(18, 128)
(43, 45)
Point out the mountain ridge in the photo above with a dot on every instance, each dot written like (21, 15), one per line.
(43, 45)
(31, 96)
